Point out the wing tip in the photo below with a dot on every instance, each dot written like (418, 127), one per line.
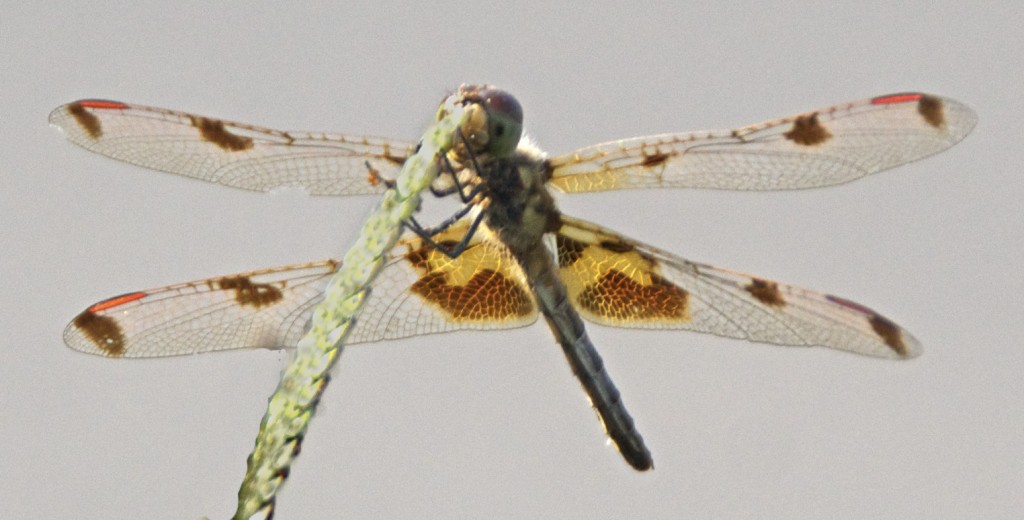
(940, 112)
(911, 348)
(94, 333)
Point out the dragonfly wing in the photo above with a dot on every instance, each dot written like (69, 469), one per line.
(233, 154)
(424, 291)
(267, 308)
(828, 146)
(616, 281)
(419, 291)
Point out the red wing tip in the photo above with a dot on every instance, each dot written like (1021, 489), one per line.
(890, 99)
(101, 104)
(115, 301)
(850, 305)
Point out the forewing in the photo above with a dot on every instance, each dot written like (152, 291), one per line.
(419, 291)
(828, 146)
(615, 281)
(233, 154)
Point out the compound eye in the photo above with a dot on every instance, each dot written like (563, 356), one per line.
(504, 121)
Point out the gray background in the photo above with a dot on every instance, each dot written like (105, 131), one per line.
(493, 425)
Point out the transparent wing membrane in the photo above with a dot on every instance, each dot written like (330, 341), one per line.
(233, 154)
(828, 146)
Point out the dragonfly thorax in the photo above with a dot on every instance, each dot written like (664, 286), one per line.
(520, 208)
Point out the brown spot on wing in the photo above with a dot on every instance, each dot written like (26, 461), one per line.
(424, 258)
(85, 119)
(808, 131)
(616, 246)
(477, 286)
(650, 161)
(766, 292)
(889, 332)
(616, 296)
(930, 108)
(213, 131)
(569, 250)
(247, 293)
(487, 296)
(102, 331)
(621, 247)
(397, 161)
(418, 258)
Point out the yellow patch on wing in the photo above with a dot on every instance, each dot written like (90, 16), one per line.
(610, 282)
(482, 284)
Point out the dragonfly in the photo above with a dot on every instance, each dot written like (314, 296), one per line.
(510, 256)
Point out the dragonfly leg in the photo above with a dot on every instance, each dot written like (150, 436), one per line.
(427, 234)
(457, 185)
(375, 178)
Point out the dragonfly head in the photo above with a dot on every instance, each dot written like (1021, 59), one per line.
(494, 121)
